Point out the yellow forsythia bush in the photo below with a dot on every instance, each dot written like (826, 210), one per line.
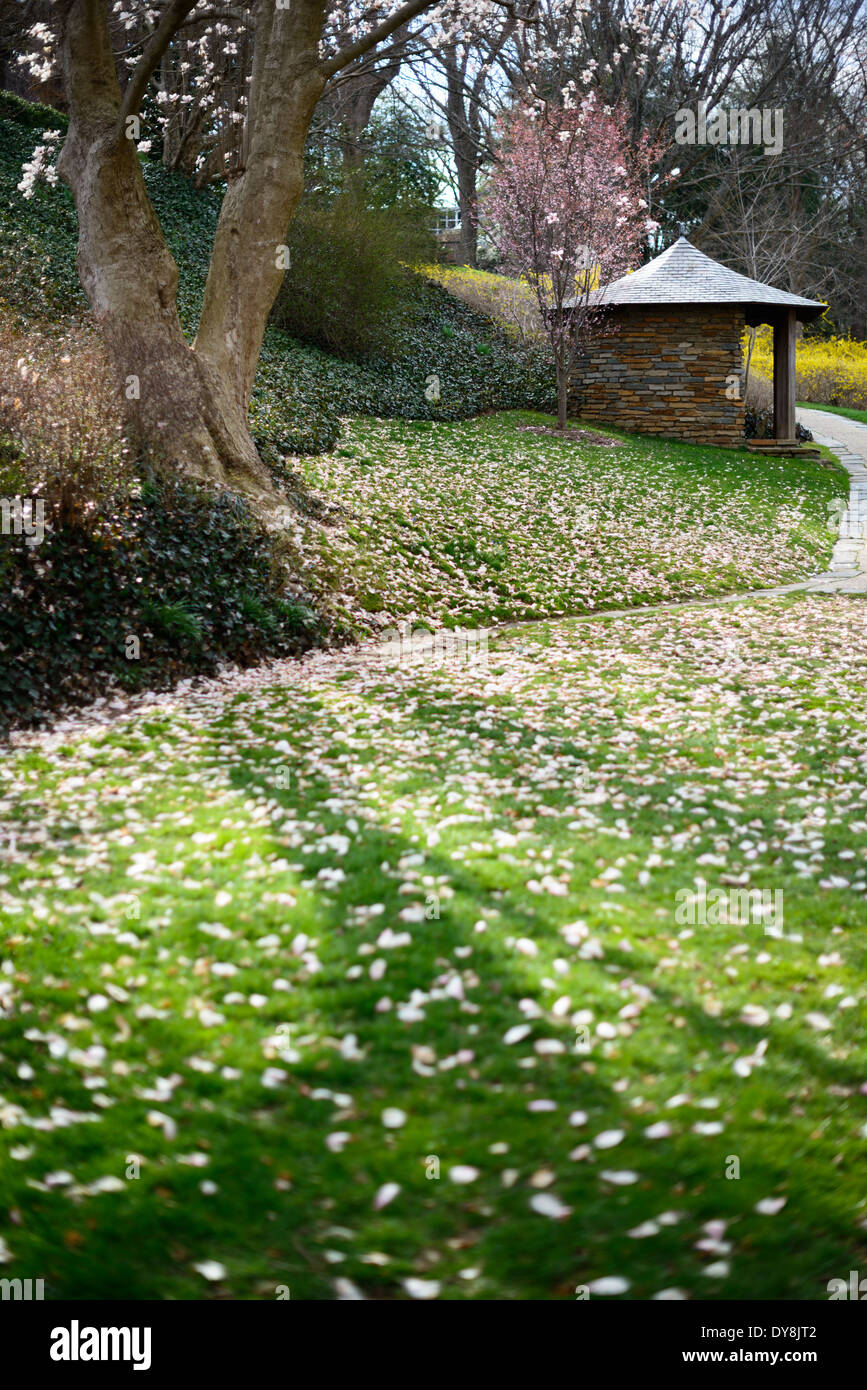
(511, 302)
(830, 371)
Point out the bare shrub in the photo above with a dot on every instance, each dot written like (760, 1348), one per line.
(760, 392)
(61, 427)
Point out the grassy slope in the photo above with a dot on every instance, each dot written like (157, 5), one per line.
(482, 520)
(363, 879)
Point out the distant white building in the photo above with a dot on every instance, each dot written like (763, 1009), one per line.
(446, 220)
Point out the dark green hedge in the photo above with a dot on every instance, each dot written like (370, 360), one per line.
(184, 569)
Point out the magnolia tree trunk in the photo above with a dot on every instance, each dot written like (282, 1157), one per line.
(250, 256)
(187, 405)
(179, 409)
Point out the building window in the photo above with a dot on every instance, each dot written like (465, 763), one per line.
(447, 220)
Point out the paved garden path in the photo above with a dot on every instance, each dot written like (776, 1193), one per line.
(849, 432)
(848, 440)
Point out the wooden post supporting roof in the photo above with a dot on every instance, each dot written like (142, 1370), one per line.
(785, 333)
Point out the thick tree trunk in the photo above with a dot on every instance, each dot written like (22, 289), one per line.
(179, 408)
(468, 247)
(465, 151)
(249, 255)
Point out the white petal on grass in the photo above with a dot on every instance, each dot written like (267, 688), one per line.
(347, 1292)
(769, 1206)
(549, 1047)
(609, 1138)
(393, 1118)
(463, 1173)
(157, 1120)
(386, 1194)
(755, 1015)
(610, 1284)
(336, 1142)
(819, 1022)
(422, 1288)
(546, 1204)
(715, 1229)
(543, 1177)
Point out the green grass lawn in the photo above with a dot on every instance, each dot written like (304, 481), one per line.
(849, 411)
(484, 520)
(372, 973)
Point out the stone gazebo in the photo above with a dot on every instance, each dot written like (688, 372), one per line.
(667, 358)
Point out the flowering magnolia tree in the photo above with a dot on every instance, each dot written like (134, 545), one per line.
(565, 208)
(189, 404)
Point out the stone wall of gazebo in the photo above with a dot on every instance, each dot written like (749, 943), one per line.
(662, 369)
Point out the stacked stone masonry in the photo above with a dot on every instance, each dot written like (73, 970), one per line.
(666, 370)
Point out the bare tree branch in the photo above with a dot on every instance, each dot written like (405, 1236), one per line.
(173, 16)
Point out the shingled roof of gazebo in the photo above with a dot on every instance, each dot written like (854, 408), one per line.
(685, 275)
